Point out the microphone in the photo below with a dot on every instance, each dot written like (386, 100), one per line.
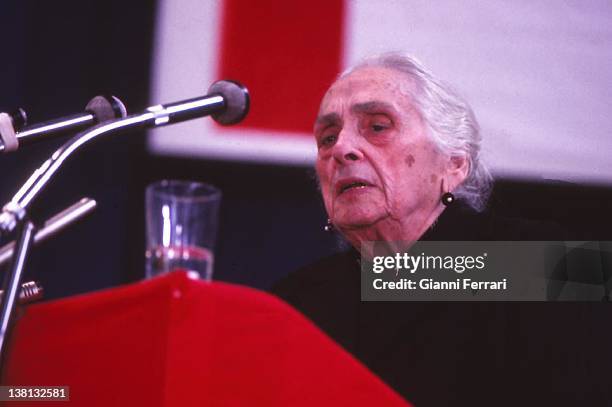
(99, 109)
(10, 123)
(228, 103)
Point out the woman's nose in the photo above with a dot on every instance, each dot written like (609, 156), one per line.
(347, 149)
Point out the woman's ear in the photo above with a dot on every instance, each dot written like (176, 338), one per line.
(457, 171)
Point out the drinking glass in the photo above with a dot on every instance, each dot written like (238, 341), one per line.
(181, 227)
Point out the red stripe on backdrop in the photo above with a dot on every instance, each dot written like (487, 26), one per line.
(286, 52)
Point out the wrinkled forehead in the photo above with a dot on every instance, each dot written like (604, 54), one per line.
(368, 87)
(365, 83)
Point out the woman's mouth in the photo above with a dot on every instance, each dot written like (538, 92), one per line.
(353, 185)
(347, 185)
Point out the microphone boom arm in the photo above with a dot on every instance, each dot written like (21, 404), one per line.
(230, 104)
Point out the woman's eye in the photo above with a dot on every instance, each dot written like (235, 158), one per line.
(328, 140)
(377, 123)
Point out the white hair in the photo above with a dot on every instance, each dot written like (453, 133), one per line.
(450, 120)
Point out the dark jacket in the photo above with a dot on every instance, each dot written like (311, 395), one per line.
(464, 354)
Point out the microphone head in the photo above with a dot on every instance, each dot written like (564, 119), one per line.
(20, 118)
(106, 108)
(237, 101)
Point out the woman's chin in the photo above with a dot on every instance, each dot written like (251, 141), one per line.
(356, 218)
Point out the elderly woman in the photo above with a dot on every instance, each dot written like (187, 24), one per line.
(394, 147)
(399, 161)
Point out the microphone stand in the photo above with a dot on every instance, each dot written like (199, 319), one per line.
(15, 211)
(26, 237)
(228, 103)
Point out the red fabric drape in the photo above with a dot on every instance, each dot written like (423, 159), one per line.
(176, 341)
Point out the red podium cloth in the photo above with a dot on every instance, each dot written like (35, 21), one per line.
(176, 341)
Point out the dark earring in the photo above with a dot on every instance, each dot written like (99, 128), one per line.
(448, 198)
(329, 226)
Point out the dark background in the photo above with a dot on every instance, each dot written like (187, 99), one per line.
(60, 54)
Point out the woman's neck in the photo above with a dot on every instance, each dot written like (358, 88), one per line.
(392, 235)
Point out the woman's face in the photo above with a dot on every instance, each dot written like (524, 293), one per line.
(375, 160)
